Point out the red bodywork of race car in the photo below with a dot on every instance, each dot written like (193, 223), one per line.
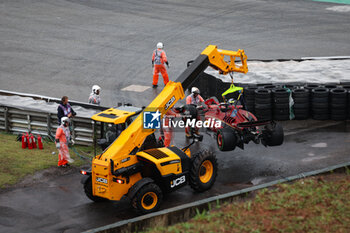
(240, 126)
(231, 114)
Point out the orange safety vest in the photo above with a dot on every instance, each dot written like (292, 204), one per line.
(63, 134)
(192, 100)
(159, 57)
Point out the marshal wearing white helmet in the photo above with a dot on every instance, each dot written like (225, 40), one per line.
(160, 45)
(194, 98)
(62, 138)
(94, 97)
(159, 58)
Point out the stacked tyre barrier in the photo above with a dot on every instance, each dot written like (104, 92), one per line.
(263, 106)
(280, 100)
(300, 102)
(249, 97)
(301, 105)
(338, 104)
(320, 103)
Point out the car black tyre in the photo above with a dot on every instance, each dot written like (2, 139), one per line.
(300, 93)
(273, 134)
(190, 110)
(203, 171)
(147, 199)
(226, 139)
(89, 193)
(320, 92)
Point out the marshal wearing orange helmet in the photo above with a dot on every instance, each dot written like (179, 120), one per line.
(158, 60)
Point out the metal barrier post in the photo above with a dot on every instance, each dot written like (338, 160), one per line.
(73, 129)
(6, 119)
(48, 122)
(28, 122)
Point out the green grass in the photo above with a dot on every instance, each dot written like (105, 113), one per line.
(316, 204)
(16, 163)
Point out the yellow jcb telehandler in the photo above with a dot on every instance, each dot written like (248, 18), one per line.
(128, 168)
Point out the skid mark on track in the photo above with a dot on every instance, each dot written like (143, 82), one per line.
(311, 159)
(320, 145)
(339, 8)
(136, 88)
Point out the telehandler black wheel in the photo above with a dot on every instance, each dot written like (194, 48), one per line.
(203, 171)
(147, 199)
(226, 139)
(88, 191)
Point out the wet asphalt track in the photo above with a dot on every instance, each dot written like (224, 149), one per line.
(56, 47)
(58, 204)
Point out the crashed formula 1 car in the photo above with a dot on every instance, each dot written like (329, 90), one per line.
(239, 125)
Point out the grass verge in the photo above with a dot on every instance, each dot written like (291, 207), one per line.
(16, 163)
(316, 204)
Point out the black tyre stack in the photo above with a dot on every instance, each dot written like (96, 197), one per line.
(348, 107)
(311, 86)
(301, 105)
(330, 86)
(338, 104)
(320, 103)
(249, 98)
(280, 100)
(347, 88)
(263, 106)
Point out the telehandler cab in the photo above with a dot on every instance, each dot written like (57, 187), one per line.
(127, 168)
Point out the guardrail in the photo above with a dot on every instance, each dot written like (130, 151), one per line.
(53, 99)
(19, 120)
